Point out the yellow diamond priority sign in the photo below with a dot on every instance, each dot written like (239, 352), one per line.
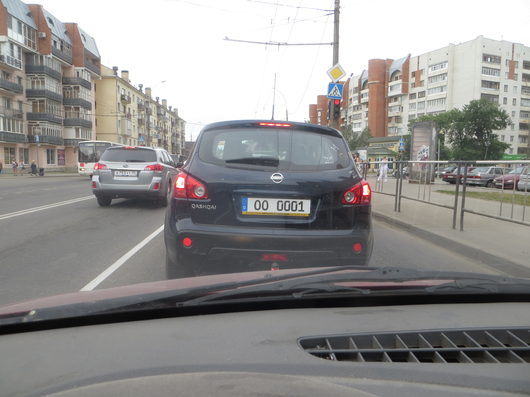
(336, 73)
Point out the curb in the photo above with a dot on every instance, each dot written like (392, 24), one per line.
(498, 263)
(50, 175)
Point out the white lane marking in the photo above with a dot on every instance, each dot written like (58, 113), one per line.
(116, 265)
(44, 207)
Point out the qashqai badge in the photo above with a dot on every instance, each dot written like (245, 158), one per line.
(277, 177)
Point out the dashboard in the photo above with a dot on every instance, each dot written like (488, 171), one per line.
(261, 353)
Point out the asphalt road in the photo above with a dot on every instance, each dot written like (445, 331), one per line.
(56, 239)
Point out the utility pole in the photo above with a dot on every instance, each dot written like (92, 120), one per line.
(334, 122)
(273, 96)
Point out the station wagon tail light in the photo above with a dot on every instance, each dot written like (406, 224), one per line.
(154, 167)
(283, 125)
(99, 166)
(188, 187)
(358, 194)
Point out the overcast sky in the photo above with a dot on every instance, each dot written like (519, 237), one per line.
(210, 79)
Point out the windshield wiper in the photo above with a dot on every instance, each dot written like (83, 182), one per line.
(267, 161)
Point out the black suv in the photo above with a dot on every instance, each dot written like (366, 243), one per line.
(256, 195)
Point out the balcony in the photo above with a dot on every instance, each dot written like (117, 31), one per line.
(12, 137)
(67, 101)
(10, 62)
(72, 142)
(44, 116)
(148, 111)
(125, 98)
(141, 106)
(11, 86)
(63, 55)
(77, 81)
(30, 93)
(11, 113)
(52, 140)
(73, 120)
(141, 121)
(125, 129)
(92, 66)
(43, 69)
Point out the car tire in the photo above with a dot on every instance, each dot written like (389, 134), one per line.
(167, 196)
(489, 184)
(104, 201)
(175, 270)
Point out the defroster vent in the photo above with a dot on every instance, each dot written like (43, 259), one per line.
(495, 345)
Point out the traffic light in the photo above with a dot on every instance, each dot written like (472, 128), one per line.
(336, 109)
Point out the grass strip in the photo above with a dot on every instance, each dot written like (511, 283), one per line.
(519, 199)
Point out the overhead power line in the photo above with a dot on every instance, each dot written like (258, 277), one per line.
(274, 43)
(289, 5)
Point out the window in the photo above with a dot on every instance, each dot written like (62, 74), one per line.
(525, 102)
(491, 71)
(436, 102)
(514, 101)
(50, 156)
(490, 97)
(9, 155)
(421, 106)
(412, 106)
(507, 63)
(513, 113)
(412, 96)
(491, 58)
(437, 90)
(511, 138)
(491, 85)
(438, 78)
(502, 138)
(438, 66)
(421, 94)
(524, 114)
(523, 139)
(505, 87)
(504, 101)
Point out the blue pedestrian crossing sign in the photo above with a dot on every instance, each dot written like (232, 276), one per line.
(401, 144)
(335, 90)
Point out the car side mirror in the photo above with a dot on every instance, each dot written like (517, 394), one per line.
(180, 164)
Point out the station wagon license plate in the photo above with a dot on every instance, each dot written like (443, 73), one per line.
(274, 206)
(125, 173)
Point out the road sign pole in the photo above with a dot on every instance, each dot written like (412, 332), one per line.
(334, 122)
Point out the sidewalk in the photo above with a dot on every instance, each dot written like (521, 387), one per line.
(501, 245)
(3, 175)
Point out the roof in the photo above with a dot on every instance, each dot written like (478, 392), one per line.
(394, 138)
(56, 26)
(266, 123)
(20, 11)
(397, 64)
(89, 42)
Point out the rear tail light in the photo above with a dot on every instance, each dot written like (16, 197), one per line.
(154, 167)
(187, 242)
(357, 247)
(94, 185)
(81, 164)
(284, 125)
(99, 166)
(274, 258)
(358, 194)
(156, 186)
(188, 187)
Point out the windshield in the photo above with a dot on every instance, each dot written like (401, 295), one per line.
(129, 155)
(245, 139)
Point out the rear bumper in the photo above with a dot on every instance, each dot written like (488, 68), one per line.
(128, 190)
(218, 249)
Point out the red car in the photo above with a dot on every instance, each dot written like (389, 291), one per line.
(508, 180)
(451, 177)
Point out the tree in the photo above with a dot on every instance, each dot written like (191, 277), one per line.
(470, 131)
(356, 139)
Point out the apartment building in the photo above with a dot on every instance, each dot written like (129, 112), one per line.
(392, 92)
(46, 86)
(130, 115)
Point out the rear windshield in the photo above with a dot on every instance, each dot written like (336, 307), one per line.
(129, 155)
(284, 149)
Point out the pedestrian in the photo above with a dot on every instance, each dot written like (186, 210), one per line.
(22, 168)
(1, 167)
(383, 170)
(14, 166)
(358, 162)
(33, 167)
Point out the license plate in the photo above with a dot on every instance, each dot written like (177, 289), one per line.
(125, 173)
(275, 206)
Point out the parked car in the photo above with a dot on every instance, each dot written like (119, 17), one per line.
(445, 170)
(451, 177)
(256, 195)
(133, 172)
(484, 176)
(509, 180)
(524, 181)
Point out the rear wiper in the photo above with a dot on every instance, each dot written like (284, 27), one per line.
(268, 161)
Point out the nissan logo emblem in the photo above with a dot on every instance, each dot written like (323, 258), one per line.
(277, 177)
